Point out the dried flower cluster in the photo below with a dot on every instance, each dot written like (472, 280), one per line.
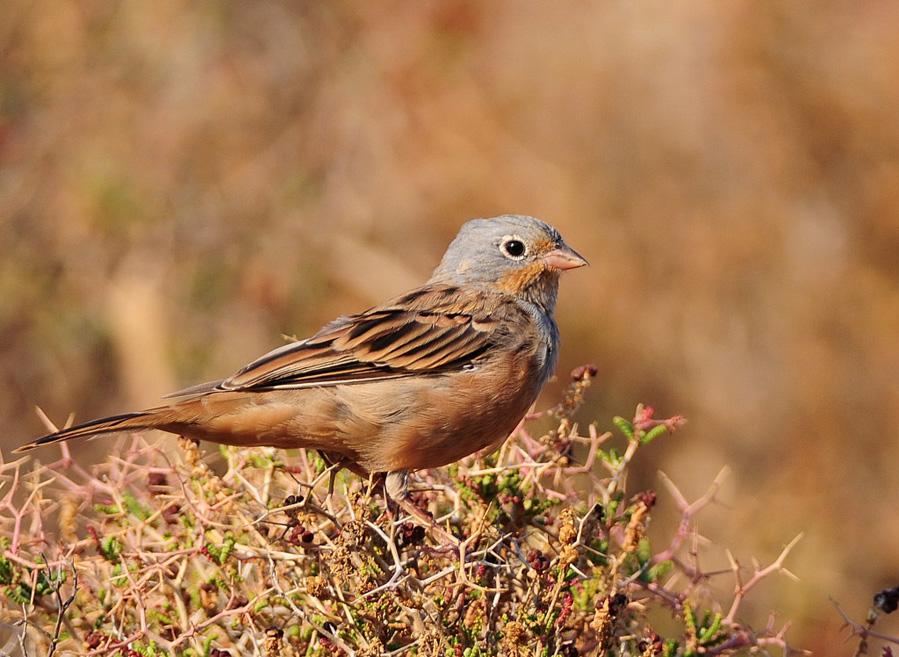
(153, 552)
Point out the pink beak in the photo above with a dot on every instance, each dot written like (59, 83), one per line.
(564, 257)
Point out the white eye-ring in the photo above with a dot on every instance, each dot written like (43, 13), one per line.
(513, 247)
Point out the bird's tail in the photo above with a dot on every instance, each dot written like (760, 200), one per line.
(127, 422)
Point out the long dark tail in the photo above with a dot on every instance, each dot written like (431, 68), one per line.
(126, 422)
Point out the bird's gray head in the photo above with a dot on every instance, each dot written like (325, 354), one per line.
(511, 254)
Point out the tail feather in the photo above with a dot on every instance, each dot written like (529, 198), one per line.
(126, 421)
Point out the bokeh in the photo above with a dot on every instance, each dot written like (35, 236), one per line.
(183, 182)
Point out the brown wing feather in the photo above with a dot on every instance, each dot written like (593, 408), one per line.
(428, 330)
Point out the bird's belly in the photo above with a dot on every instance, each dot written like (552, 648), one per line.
(381, 426)
(441, 420)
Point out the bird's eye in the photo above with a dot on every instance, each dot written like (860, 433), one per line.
(514, 248)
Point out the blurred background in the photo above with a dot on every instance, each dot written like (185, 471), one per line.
(183, 182)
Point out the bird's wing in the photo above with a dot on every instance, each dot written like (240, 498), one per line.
(430, 330)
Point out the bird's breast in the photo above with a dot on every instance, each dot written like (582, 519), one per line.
(436, 420)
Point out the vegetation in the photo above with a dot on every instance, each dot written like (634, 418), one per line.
(152, 552)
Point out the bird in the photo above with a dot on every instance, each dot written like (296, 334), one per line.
(421, 381)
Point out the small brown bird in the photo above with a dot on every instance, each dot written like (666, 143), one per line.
(421, 381)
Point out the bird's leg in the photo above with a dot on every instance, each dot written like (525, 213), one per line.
(396, 485)
(336, 462)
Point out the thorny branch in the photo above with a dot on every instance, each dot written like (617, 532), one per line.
(552, 552)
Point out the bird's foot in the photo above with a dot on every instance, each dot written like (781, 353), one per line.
(447, 540)
(396, 484)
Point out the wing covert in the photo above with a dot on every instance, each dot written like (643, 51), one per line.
(386, 342)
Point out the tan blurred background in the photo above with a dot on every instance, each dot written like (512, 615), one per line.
(181, 182)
